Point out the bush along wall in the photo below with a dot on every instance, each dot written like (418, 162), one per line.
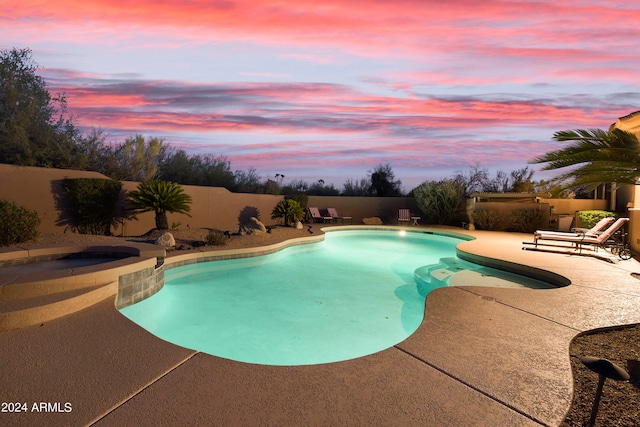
(528, 220)
(17, 223)
(590, 218)
(490, 219)
(93, 204)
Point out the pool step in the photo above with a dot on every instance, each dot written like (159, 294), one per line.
(436, 275)
(20, 313)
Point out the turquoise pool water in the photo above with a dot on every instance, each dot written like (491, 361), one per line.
(352, 295)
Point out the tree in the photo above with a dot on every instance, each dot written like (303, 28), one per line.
(34, 128)
(297, 186)
(289, 210)
(476, 180)
(206, 170)
(319, 188)
(247, 182)
(600, 156)
(441, 201)
(160, 197)
(383, 183)
(137, 159)
(356, 188)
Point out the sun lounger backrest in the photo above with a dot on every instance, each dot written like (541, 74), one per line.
(404, 214)
(333, 212)
(600, 225)
(315, 212)
(609, 231)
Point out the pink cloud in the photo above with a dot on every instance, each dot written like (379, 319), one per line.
(361, 26)
(302, 108)
(422, 54)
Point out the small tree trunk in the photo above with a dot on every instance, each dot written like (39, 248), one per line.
(162, 223)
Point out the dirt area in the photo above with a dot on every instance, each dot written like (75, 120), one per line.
(186, 239)
(619, 402)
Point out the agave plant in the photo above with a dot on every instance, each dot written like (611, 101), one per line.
(289, 210)
(160, 197)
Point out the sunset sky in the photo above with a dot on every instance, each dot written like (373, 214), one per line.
(329, 89)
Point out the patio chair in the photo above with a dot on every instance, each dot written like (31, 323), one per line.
(334, 214)
(579, 240)
(404, 215)
(577, 232)
(315, 215)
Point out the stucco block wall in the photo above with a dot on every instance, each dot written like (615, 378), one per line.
(386, 208)
(570, 206)
(213, 207)
(38, 189)
(34, 188)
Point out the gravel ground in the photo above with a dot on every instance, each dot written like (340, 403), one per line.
(618, 405)
(186, 239)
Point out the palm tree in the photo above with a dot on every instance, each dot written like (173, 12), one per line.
(160, 197)
(600, 156)
(288, 209)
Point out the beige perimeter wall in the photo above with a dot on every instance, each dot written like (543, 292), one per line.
(213, 207)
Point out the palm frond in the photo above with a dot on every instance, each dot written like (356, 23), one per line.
(599, 157)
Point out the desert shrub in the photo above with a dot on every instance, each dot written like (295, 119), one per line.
(528, 220)
(490, 219)
(442, 202)
(215, 238)
(17, 223)
(289, 210)
(590, 218)
(302, 199)
(93, 204)
(160, 197)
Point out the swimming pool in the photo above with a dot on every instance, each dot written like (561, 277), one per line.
(351, 295)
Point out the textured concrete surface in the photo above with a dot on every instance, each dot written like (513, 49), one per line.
(482, 356)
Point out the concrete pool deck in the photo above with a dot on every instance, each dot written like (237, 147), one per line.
(482, 356)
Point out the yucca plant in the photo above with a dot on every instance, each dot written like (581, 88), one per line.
(289, 210)
(160, 197)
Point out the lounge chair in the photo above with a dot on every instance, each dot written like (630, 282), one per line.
(577, 232)
(315, 215)
(579, 240)
(404, 215)
(334, 214)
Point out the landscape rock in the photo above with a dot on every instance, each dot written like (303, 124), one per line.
(374, 220)
(166, 240)
(252, 226)
(298, 225)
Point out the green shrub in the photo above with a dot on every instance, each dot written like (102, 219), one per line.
(590, 218)
(160, 197)
(215, 238)
(490, 219)
(289, 210)
(302, 199)
(528, 220)
(442, 201)
(17, 223)
(93, 204)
